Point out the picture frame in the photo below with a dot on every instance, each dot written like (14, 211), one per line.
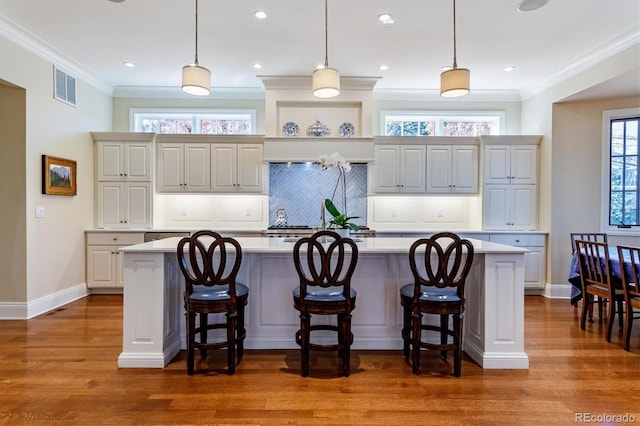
(58, 176)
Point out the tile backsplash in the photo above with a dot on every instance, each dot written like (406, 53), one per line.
(299, 188)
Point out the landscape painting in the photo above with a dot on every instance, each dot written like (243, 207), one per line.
(58, 176)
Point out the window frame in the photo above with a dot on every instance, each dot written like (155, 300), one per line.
(439, 116)
(195, 114)
(607, 117)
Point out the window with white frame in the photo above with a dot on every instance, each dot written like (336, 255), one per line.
(416, 123)
(621, 133)
(203, 122)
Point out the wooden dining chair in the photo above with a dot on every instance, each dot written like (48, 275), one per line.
(589, 236)
(595, 275)
(630, 272)
(440, 265)
(210, 264)
(325, 263)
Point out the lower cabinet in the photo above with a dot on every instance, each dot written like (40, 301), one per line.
(104, 262)
(534, 260)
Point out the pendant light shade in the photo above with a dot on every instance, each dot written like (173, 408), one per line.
(326, 81)
(454, 82)
(196, 80)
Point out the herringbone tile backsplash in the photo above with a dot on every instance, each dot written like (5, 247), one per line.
(300, 188)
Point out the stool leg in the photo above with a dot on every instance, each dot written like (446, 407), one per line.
(232, 319)
(203, 332)
(457, 340)
(191, 327)
(406, 332)
(416, 335)
(241, 331)
(444, 333)
(305, 324)
(345, 343)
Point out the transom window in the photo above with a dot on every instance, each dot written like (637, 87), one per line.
(211, 122)
(624, 191)
(436, 124)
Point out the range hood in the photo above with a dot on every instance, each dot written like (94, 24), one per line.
(287, 149)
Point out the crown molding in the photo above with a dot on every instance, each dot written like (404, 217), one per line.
(174, 92)
(26, 40)
(434, 95)
(299, 82)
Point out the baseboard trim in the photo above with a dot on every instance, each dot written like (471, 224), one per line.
(28, 310)
(557, 291)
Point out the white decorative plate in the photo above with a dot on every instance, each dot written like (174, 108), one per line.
(290, 129)
(346, 130)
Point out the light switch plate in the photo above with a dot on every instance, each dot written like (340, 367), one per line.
(40, 212)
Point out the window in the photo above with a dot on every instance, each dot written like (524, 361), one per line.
(440, 124)
(212, 122)
(621, 134)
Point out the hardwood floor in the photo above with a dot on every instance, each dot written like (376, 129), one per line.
(60, 369)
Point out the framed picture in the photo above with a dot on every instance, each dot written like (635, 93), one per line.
(58, 176)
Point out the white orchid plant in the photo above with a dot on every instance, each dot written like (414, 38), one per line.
(336, 161)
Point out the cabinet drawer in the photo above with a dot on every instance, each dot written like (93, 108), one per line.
(115, 238)
(524, 240)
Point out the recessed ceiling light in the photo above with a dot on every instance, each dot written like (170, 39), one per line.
(509, 68)
(129, 64)
(260, 14)
(257, 66)
(116, 1)
(446, 68)
(384, 67)
(386, 19)
(531, 5)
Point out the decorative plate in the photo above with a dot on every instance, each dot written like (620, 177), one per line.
(318, 129)
(290, 129)
(346, 130)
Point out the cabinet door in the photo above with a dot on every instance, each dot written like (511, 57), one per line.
(109, 203)
(110, 161)
(439, 168)
(137, 204)
(197, 167)
(524, 164)
(170, 167)
(387, 168)
(497, 164)
(224, 164)
(137, 161)
(464, 169)
(534, 264)
(524, 210)
(101, 266)
(250, 167)
(412, 168)
(496, 207)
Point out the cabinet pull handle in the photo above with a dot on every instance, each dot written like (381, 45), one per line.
(115, 239)
(517, 241)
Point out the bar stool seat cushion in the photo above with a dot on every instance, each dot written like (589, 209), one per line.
(432, 294)
(332, 294)
(220, 292)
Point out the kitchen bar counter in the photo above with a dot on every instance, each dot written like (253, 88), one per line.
(153, 330)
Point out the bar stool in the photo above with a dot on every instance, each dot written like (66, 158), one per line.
(325, 269)
(210, 264)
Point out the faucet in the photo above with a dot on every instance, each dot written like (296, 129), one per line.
(322, 219)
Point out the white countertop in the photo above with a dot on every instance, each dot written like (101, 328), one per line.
(285, 245)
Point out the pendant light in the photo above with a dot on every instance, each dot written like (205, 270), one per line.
(454, 82)
(196, 80)
(326, 81)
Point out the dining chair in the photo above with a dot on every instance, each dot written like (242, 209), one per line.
(595, 275)
(440, 265)
(325, 263)
(210, 264)
(589, 236)
(630, 272)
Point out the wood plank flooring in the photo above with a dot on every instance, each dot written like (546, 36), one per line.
(61, 369)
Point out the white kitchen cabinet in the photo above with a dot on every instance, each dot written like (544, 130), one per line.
(534, 260)
(123, 185)
(237, 167)
(510, 207)
(510, 164)
(123, 161)
(104, 262)
(124, 205)
(400, 168)
(452, 169)
(184, 167)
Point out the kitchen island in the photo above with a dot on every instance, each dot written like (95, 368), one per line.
(153, 320)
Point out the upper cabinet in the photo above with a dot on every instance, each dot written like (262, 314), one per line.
(237, 167)
(400, 168)
(123, 187)
(452, 169)
(510, 164)
(184, 167)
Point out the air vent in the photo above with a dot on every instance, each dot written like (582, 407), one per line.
(64, 87)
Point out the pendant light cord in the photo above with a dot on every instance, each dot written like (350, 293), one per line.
(196, 61)
(326, 35)
(455, 63)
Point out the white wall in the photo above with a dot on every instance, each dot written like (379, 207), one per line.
(55, 243)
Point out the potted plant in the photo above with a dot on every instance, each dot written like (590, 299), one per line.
(340, 221)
